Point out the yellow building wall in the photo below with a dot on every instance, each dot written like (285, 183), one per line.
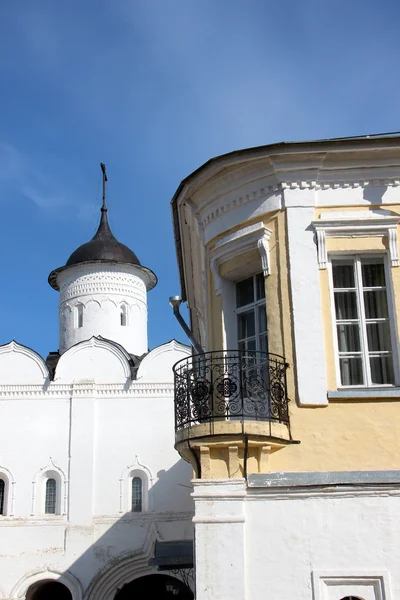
(347, 434)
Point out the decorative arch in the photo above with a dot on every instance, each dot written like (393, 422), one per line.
(9, 491)
(157, 364)
(130, 566)
(23, 351)
(93, 342)
(71, 582)
(136, 469)
(50, 471)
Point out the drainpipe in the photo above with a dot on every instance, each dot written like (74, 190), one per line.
(175, 302)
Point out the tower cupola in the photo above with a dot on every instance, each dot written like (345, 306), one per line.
(103, 291)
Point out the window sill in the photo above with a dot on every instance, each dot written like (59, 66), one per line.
(378, 392)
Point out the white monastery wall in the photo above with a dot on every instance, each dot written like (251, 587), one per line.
(93, 437)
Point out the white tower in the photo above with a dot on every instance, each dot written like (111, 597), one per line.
(103, 292)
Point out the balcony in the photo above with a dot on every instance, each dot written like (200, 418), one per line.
(231, 397)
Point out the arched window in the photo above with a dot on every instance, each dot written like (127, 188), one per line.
(137, 494)
(79, 315)
(51, 497)
(2, 496)
(124, 315)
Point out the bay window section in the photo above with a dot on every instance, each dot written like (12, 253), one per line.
(363, 329)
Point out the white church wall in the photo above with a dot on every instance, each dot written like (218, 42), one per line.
(145, 444)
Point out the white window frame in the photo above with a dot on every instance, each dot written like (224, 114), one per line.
(338, 256)
(79, 310)
(123, 315)
(328, 584)
(251, 237)
(253, 305)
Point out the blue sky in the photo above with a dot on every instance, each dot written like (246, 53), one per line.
(154, 88)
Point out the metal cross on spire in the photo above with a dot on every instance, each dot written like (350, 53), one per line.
(103, 168)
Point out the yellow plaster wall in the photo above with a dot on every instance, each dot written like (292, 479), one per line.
(345, 435)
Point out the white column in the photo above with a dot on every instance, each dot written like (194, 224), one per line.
(307, 309)
(81, 457)
(219, 532)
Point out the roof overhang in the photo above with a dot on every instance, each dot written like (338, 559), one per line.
(224, 161)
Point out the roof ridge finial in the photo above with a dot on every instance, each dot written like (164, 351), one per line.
(104, 205)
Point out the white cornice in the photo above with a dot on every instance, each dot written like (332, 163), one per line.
(60, 391)
(265, 191)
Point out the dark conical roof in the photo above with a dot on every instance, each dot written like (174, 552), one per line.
(103, 246)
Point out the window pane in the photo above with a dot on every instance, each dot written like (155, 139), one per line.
(348, 337)
(251, 345)
(50, 502)
(136, 494)
(2, 494)
(346, 305)
(246, 325)
(260, 286)
(263, 343)
(351, 372)
(382, 369)
(262, 319)
(343, 275)
(375, 304)
(373, 275)
(378, 336)
(244, 292)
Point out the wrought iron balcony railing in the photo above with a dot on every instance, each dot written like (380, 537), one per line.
(230, 385)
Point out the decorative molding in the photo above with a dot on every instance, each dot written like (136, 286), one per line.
(244, 240)
(140, 469)
(65, 577)
(57, 391)
(93, 342)
(264, 191)
(14, 347)
(9, 498)
(347, 581)
(51, 466)
(353, 225)
(123, 570)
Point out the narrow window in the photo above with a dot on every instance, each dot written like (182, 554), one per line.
(79, 315)
(124, 316)
(2, 495)
(50, 500)
(362, 322)
(251, 314)
(137, 494)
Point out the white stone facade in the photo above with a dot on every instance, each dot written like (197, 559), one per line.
(92, 429)
(302, 541)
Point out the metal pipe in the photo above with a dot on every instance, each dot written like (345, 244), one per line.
(175, 302)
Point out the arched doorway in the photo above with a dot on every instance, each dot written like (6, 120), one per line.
(48, 590)
(160, 587)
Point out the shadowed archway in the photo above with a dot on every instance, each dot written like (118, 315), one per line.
(162, 587)
(48, 590)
